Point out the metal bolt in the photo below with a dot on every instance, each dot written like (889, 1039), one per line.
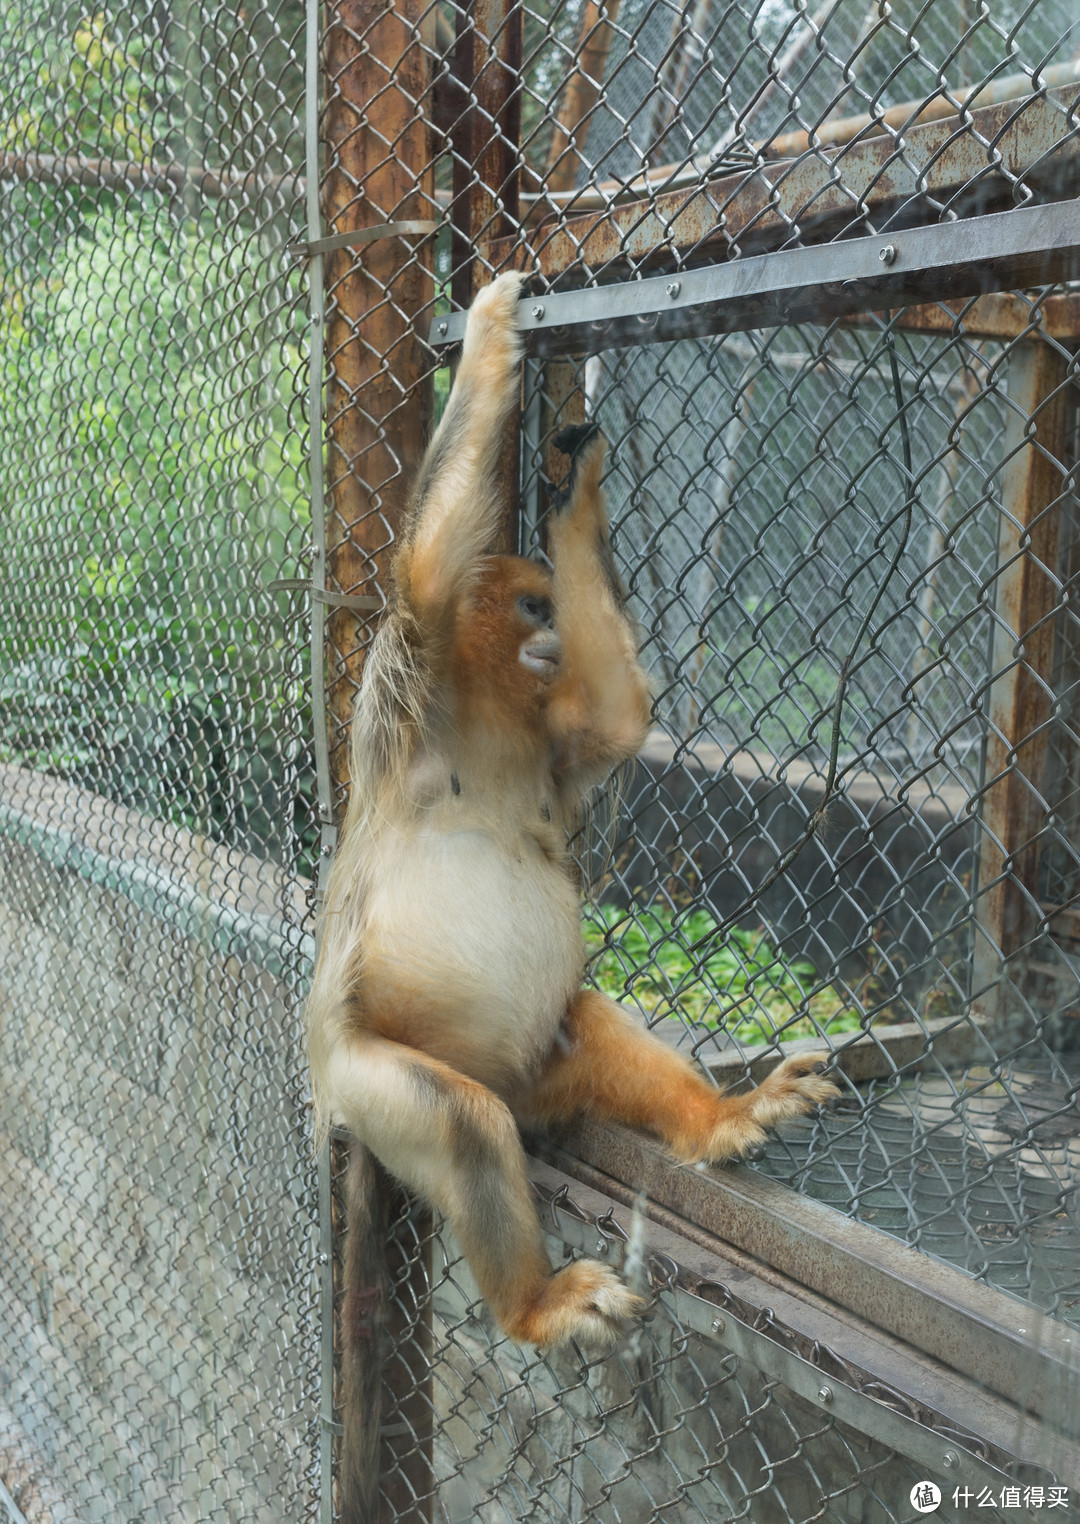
(538, 311)
(324, 1258)
(718, 1325)
(887, 254)
(442, 327)
(950, 1459)
(601, 1246)
(824, 1394)
(673, 287)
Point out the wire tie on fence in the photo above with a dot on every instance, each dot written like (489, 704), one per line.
(361, 602)
(302, 248)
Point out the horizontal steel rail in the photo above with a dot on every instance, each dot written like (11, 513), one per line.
(1034, 245)
(1002, 1343)
(888, 1391)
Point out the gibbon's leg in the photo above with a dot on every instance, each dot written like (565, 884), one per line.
(598, 712)
(456, 509)
(454, 1142)
(614, 1071)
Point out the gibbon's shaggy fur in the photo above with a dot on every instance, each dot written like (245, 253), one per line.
(447, 1005)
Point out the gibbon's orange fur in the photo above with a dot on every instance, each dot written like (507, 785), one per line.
(447, 1004)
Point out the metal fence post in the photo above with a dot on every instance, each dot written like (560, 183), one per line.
(1020, 698)
(378, 170)
(486, 176)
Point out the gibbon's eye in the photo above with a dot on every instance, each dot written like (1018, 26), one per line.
(536, 610)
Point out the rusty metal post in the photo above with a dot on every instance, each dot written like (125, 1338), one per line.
(1021, 694)
(487, 179)
(378, 169)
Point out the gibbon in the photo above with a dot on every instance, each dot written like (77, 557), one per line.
(447, 1007)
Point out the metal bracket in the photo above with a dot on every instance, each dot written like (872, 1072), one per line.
(416, 228)
(361, 602)
(1029, 246)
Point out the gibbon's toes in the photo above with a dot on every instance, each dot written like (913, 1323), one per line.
(796, 1087)
(735, 1137)
(585, 1301)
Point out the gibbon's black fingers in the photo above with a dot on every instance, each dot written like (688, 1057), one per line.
(575, 436)
(573, 440)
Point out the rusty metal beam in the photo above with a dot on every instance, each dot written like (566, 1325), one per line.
(379, 169)
(1003, 316)
(993, 1339)
(1020, 700)
(833, 133)
(875, 181)
(1033, 245)
(837, 1355)
(908, 114)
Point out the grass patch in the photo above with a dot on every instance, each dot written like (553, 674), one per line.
(675, 963)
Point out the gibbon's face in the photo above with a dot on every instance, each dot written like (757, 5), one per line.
(506, 645)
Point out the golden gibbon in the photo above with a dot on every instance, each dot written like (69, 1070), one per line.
(447, 1007)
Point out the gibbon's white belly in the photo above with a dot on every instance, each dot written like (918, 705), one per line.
(477, 943)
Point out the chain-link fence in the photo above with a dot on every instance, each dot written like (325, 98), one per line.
(158, 1338)
(844, 471)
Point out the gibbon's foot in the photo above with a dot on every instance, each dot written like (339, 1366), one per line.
(585, 1301)
(793, 1088)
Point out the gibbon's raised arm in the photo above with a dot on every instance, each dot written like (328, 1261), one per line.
(456, 509)
(598, 713)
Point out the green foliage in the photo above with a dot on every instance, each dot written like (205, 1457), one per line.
(678, 964)
(151, 483)
(90, 93)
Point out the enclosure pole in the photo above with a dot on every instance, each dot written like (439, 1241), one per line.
(487, 181)
(378, 169)
(1020, 700)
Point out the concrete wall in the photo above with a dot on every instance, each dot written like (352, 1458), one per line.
(157, 1252)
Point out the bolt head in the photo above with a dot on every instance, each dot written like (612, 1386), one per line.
(538, 311)
(601, 1246)
(673, 287)
(825, 1394)
(887, 254)
(950, 1459)
(718, 1325)
(442, 327)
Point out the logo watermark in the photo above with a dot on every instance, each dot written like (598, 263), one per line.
(926, 1497)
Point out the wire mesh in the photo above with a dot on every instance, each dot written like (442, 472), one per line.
(158, 1335)
(160, 818)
